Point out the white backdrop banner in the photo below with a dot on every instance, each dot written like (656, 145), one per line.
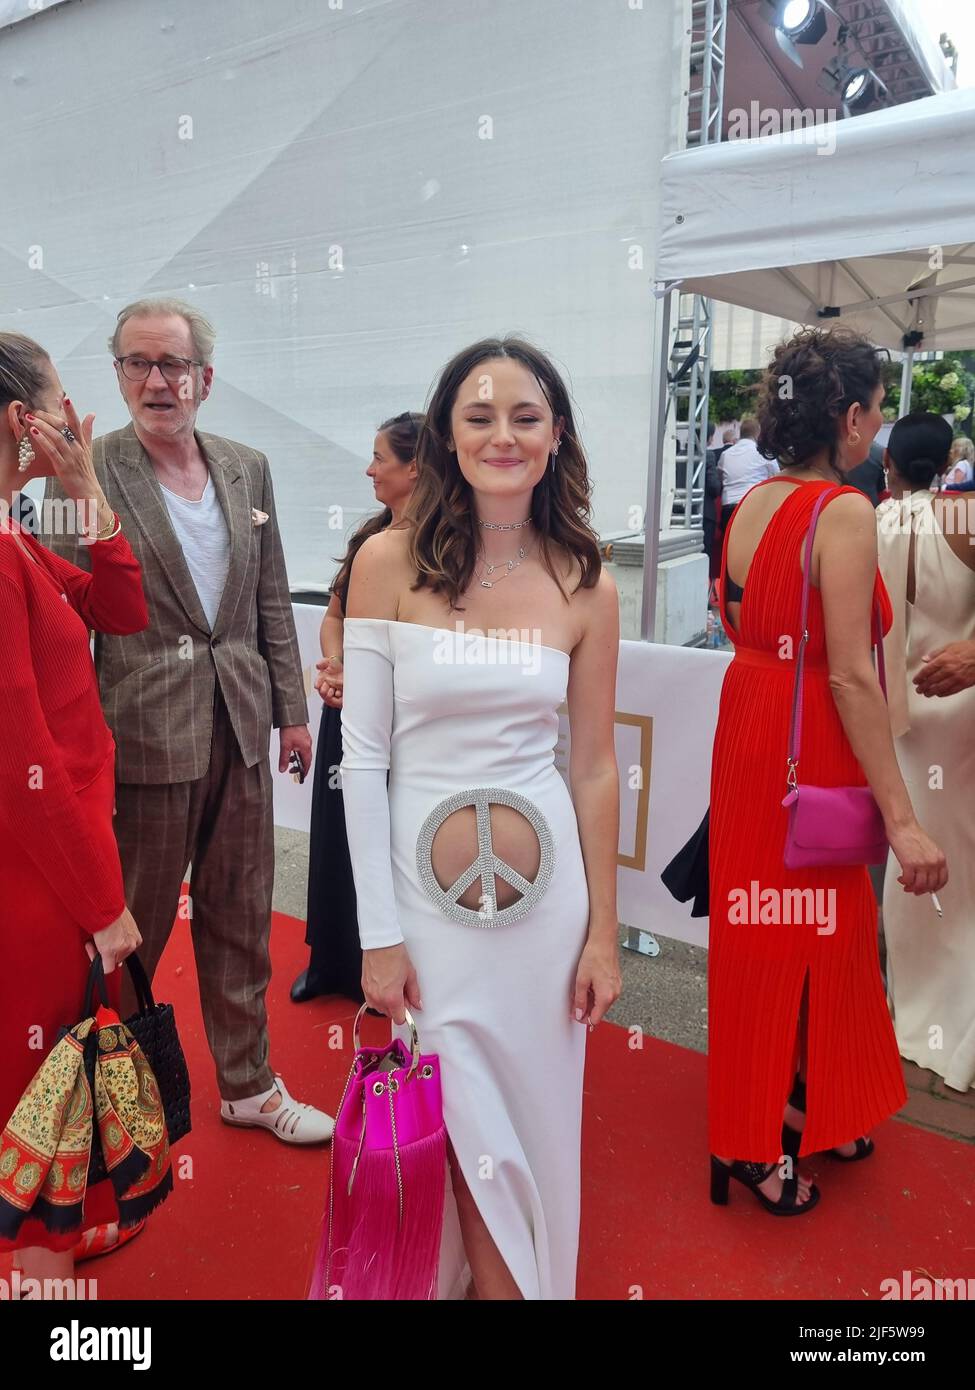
(351, 193)
(666, 711)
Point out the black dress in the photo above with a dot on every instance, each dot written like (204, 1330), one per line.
(332, 925)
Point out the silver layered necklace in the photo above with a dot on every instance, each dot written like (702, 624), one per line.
(486, 577)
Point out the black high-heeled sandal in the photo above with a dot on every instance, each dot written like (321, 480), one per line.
(792, 1138)
(750, 1175)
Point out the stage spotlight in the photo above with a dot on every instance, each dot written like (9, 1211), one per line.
(860, 88)
(802, 21)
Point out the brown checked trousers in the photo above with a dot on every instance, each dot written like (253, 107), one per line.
(222, 823)
(191, 708)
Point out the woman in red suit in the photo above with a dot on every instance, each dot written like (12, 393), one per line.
(63, 898)
(798, 1006)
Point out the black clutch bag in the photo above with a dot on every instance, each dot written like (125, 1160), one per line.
(686, 876)
(154, 1029)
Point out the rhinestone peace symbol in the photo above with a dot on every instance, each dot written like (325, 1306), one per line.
(487, 865)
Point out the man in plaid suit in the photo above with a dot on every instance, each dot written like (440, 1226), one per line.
(191, 701)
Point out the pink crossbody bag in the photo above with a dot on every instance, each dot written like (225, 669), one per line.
(829, 825)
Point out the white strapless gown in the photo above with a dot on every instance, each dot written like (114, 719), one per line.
(465, 712)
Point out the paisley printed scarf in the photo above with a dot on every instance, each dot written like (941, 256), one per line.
(95, 1077)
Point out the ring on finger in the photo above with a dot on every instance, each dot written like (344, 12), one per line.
(69, 435)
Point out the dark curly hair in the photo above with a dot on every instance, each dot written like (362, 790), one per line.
(403, 433)
(811, 381)
(444, 541)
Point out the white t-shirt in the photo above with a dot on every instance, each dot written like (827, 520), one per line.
(201, 529)
(742, 466)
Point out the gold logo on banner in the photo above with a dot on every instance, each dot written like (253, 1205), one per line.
(638, 858)
(644, 722)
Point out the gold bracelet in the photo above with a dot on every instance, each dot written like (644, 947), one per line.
(111, 531)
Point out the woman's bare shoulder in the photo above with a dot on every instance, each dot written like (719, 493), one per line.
(389, 547)
(604, 590)
(849, 511)
(596, 607)
(381, 573)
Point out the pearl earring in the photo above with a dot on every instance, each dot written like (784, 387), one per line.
(25, 454)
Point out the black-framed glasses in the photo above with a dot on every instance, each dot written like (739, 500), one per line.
(175, 369)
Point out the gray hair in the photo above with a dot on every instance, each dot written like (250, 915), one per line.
(23, 369)
(202, 331)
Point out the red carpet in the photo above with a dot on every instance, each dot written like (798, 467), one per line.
(245, 1213)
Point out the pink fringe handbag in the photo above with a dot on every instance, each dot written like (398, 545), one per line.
(829, 825)
(382, 1226)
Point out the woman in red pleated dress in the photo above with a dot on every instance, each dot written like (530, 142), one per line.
(61, 879)
(802, 1054)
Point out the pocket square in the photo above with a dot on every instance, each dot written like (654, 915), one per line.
(257, 517)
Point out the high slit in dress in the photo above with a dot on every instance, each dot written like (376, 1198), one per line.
(757, 972)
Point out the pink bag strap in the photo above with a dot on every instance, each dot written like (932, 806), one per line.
(795, 729)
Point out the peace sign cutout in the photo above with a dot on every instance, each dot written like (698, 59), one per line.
(487, 865)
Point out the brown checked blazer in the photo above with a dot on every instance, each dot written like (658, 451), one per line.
(157, 686)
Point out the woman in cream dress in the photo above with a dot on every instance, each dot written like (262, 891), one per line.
(927, 558)
(486, 887)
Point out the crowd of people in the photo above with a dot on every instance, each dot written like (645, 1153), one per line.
(454, 873)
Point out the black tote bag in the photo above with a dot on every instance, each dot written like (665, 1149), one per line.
(154, 1029)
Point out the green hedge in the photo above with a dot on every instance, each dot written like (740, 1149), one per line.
(944, 387)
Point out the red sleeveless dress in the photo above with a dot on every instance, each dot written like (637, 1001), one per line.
(758, 965)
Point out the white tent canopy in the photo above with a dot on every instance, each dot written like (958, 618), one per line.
(11, 11)
(871, 219)
(788, 226)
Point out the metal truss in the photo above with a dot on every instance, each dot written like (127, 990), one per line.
(690, 355)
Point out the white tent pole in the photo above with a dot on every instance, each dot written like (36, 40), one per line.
(907, 379)
(651, 512)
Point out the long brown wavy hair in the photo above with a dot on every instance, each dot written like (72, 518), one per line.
(403, 433)
(444, 538)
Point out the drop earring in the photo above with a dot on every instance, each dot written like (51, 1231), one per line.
(25, 454)
(555, 450)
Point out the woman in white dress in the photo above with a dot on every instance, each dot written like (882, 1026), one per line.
(927, 558)
(961, 462)
(464, 635)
